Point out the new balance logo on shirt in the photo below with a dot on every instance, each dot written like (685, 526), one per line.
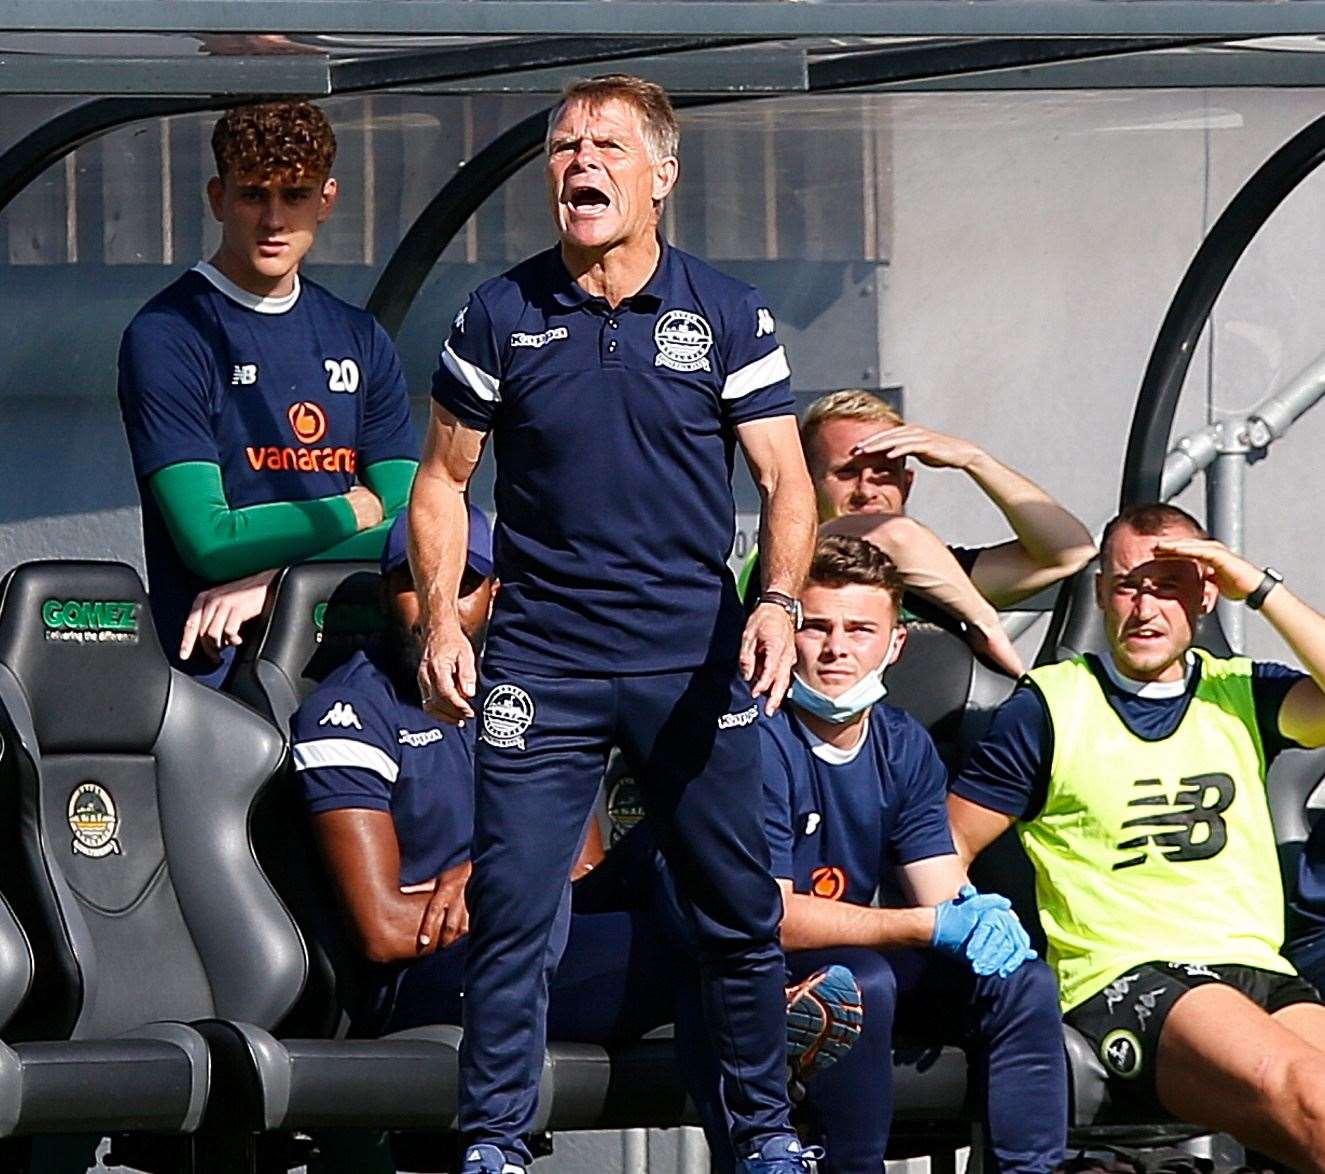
(245, 375)
(341, 714)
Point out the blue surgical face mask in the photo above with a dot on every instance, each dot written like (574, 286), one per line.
(842, 708)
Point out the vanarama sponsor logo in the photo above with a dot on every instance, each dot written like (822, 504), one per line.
(274, 459)
(91, 621)
(308, 422)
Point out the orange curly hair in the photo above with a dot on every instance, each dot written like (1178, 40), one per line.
(287, 141)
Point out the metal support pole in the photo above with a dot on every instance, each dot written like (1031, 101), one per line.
(1157, 401)
(1225, 486)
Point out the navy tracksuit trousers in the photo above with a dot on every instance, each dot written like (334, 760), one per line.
(1010, 1028)
(691, 740)
(617, 980)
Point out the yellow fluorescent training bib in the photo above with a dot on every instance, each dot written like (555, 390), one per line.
(1154, 850)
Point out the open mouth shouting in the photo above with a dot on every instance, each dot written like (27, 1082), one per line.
(587, 201)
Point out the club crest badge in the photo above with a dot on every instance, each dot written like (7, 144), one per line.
(625, 806)
(683, 340)
(508, 712)
(94, 821)
(1121, 1052)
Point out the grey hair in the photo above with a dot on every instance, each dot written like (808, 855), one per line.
(658, 125)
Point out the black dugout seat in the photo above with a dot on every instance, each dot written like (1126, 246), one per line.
(127, 800)
(320, 615)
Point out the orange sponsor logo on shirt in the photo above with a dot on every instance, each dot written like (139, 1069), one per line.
(308, 422)
(828, 883)
(273, 459)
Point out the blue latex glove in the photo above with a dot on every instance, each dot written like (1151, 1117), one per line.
(981, 930)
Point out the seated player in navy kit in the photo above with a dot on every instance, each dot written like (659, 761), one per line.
(253, 399)
(855, 794)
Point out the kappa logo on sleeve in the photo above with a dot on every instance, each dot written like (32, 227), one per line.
(458, 323)
(537, 341)
(732, 721)
(764, 323)
(508, 712)
(341, 714)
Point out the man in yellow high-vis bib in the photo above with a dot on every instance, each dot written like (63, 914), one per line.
(1136, 781)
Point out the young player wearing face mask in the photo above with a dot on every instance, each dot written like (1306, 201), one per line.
(855, 792)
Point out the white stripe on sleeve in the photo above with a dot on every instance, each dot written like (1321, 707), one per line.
(765, 372)
(483, 385)
(326, 752)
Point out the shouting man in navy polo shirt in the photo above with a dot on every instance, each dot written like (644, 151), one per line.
(617, 374)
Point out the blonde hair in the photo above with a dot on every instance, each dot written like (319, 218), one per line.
(658, 125)
(854, 404)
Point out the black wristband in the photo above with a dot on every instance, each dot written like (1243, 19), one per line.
(791, 606)
(1272, 580)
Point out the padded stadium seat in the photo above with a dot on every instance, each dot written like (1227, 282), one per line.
(129, 794)
(153, 1079)
(942, 684)
(320, 615)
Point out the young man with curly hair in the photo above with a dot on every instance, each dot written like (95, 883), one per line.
(267, 419)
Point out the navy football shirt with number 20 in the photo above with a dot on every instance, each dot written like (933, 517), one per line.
(289, 396)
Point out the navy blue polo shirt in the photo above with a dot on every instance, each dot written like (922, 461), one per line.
(614, 434)
(1009, 769)
(289, 396)
(838, 823)
(361, 741)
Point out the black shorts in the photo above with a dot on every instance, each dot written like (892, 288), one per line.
(1123, 1022)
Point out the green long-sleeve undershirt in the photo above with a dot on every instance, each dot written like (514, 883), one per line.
(221, 544)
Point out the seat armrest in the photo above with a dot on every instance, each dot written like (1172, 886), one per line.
(1088, 1082)
(250, 1074)
(192, 1044)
